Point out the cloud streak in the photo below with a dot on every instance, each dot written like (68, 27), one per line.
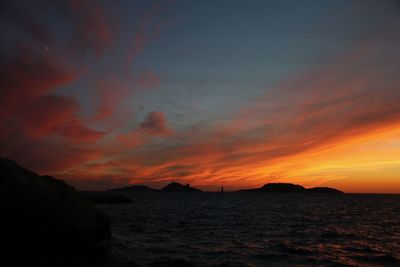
(329, 106)
(75, 106)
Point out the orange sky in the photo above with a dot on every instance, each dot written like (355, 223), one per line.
(147, 92)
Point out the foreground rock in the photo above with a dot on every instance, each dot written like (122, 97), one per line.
(290, 188)
(177, 187)
(44, 217)
(106, 197)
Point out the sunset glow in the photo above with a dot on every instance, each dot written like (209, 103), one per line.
(149, 92)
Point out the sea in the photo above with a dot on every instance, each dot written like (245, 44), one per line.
(255, 229)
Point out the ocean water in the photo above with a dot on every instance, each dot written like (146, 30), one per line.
(255, 229)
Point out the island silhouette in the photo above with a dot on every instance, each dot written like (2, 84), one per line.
(267, 188)
(171, 187)
(290, 188)
(133, 188)
(177, 187)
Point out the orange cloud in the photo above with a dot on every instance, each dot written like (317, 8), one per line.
(46, 113)
(110, 90)
(286, 134)
(48, 155)
(324, 126)
(76, 130)
(28, 77)
(40, 128)
(46, 130)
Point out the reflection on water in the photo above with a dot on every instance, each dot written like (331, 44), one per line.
(245, 229)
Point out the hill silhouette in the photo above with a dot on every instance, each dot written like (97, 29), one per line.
(290, 188)
(134, 188)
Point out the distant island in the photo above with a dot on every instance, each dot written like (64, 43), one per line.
(171, 187)
(177, 187)
(291, 188)
(267, 188)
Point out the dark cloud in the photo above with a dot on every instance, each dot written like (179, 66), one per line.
(155, 123)
(21, 16)
(93, 27)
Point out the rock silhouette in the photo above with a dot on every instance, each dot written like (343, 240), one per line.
(106, 197)
(44, 217)
(177, 187)
(290, 188)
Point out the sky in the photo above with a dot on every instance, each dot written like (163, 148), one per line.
(213, 93)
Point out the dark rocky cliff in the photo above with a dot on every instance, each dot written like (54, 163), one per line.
(44, 216)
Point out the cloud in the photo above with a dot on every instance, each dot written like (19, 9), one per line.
(28, 99)
(45, 122)
(40, 128)
(76, 130)
(350, 96)
(110, 90)
(148, 79)
(28, 77)
(139, 42)
(47, 155)
(155, 123)
(93, 27)
(111, 93)
(55, 114)
(47, 113)
(130, 140)
(150, 26)
(334, 104)
(21, 17)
